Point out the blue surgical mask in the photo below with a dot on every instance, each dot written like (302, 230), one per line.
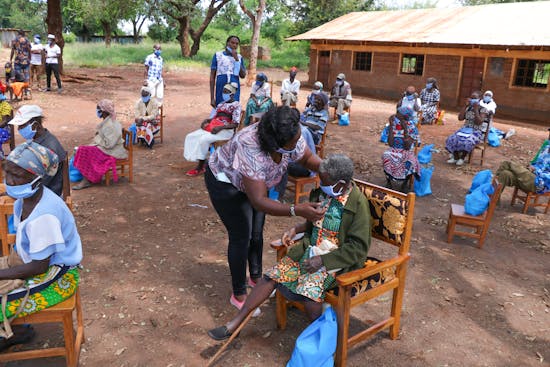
(36, 40)
(284, 151)
(158, 52)
(99, 113)
(27, 132)
(229, 49)
(473, 101)
(22, 191)
(259, 83)
(487, 99)
(226, 96)
(329, 190)
(316, 91)
(410, 97)
(2, 97)
(429, 85)
(145, 99)
(339, 82)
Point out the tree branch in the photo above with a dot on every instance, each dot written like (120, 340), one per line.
(246, 11)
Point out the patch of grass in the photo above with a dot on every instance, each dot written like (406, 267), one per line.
(96, 55)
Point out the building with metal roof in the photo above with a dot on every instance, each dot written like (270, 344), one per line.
(504, 48)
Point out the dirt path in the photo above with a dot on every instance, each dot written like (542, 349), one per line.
(156, 276)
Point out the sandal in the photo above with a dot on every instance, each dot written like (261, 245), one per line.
(195, 172)
(21, 335)
(219, 333)
(81, 185)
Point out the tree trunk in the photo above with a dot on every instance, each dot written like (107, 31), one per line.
(106, 33)
(54, 21)
(256, 20)
(135, 30)
(183, 35)
(211, 12)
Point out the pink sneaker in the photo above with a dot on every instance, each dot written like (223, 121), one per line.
(239, 304)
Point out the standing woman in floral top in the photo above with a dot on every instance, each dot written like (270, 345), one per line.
(238, 177)
(429, 98)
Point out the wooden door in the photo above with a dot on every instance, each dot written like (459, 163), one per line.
(323, 69)
(472, 77)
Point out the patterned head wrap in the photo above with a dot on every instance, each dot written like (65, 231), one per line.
(108, 106)
(35, 158)
(406, 111)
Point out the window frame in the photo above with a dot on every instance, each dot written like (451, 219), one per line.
(368, 61)
(417, 57)
(533, 87)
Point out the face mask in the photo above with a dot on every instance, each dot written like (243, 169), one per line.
(99, 113)
(158, 52)
(329, 190)
(410, 97)
(284, 151)
(145, 99)
(226, 96)
(259, 83)
(473, 101)
(2, 97)
(229, 49)
(487, 99)
(339, 82)
(316, 91)
(22, 191)
(429, 85)
(36, 40)
(50, 42)
(27, 132)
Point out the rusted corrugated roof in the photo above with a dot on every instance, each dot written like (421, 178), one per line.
(514, 24)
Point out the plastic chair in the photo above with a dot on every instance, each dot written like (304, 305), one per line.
(480, 224)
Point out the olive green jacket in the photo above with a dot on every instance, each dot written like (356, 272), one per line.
(354, 236)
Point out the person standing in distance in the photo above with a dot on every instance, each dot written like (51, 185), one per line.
(153, 73)
(53, 52)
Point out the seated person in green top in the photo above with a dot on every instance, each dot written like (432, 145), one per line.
(333, 245)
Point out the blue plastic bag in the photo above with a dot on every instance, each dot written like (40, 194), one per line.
(477, 202)
(317, 343)
(74, 173)
(425, 154)
(493, 138)
(423, 186)
(133, 130)
(481, 178)
(343, 120)
(384, 134)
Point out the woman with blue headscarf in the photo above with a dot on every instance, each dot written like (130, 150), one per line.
(399, 161)
(47, 247)
(260, 98)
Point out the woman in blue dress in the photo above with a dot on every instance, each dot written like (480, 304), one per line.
(227, 66)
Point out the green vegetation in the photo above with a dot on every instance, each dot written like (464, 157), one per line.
(97, 55)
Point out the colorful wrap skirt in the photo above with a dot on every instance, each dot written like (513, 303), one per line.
(464, 139)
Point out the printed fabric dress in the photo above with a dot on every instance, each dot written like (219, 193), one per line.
(293, 275)
(429, 104)
(397, 161)
(471, 134)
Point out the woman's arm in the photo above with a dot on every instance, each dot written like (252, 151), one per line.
(212, 86)
(257, 194)
(390, 134)
(462, 113)
(310, 161)
(25, 271)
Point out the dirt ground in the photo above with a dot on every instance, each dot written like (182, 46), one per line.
(155, 275)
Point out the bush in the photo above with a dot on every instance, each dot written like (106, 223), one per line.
(69, 37)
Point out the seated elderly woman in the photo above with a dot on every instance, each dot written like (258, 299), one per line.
(260, 98)
(315, 117)
(94, 160)
(535, 178)
(317, 88)
(429, 98)
(333, 245)
(477, 120)
(47, 248)
(399, 161)
(220, 126)
(147, 117)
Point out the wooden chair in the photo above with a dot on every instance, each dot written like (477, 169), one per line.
(298, 186)
(60, 313)
(376, 278)
(481, 147)
(125, 167)
(320, 148)
(160, 134)
(480, 224)
(530, 199)
(6, 210)
(66, 182)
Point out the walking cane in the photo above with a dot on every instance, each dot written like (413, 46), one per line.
(233, 336)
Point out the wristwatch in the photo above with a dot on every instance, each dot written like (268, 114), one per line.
(292, 210)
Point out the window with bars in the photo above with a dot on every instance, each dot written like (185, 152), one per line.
(412, 64)
(532, 73)
(362, 61)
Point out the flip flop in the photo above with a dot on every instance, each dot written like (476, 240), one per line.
(219, 333)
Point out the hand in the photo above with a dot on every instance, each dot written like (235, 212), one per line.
(313, 264)
(213, 102)
(287, 239)
(216, 129)
(310, 211)
(234, 54)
